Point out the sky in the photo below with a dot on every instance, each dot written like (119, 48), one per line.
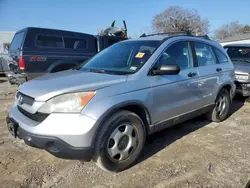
(90, 15)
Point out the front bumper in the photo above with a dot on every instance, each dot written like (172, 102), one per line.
(243, 89)
(53, 145)
(63, 135)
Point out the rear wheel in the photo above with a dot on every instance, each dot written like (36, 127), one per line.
(221, 108)
(120, 141)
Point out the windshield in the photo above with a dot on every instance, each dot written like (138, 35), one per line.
(239, 53)
(121, 58)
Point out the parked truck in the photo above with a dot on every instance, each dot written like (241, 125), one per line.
(37, 51)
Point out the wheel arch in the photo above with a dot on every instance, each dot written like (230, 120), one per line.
(133, 106)
(229, 88)
(61, 63)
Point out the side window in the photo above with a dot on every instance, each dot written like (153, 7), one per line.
(178, 53)
(49, 41)
(204, 54)
(17, 41)
(74, 43)
(221, 57)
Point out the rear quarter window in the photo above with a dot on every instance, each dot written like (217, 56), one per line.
(49, 41)
(222, 58)
(17, 41)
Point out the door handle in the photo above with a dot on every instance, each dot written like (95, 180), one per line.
(219, 69)
(192, 74)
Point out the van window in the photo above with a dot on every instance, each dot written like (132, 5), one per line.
(49, 41)
(75, 43)
(235, 52)
(204, 53)
(17, 41)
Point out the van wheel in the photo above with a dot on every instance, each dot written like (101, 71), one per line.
(221, 108)
(120, 141)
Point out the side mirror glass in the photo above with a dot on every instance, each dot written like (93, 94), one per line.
(167, 70)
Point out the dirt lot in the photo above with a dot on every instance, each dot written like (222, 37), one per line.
(194, 154)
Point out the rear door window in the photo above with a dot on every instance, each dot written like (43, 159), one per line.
(204, 53)
(49, 41)
(74, 43)
(17, 41)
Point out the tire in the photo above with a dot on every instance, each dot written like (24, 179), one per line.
(221, 109)
(123, 131)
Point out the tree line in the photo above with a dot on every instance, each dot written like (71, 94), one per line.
(176, 18)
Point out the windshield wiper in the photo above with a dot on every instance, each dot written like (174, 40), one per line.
(97, 71)
(104, 71)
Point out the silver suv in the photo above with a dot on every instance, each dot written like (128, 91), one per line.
(104, 109)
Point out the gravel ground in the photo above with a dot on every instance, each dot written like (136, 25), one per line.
(196, 153)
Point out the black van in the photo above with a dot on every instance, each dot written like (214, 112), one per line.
(37, 51)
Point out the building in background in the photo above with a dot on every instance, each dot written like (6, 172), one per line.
(242, 38)
(5, 37)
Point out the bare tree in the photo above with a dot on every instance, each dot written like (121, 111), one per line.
(231, 29)
(176, 19)
(246, 29)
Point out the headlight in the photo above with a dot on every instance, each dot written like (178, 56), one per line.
(71, 102)
(241, 77)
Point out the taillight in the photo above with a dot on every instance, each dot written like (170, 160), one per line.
(21, 63)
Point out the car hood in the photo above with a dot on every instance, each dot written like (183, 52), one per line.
(242, 68)
(50, 85)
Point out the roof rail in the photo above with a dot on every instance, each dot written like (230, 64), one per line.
(188, 33)
(205, 37)
(168, 33)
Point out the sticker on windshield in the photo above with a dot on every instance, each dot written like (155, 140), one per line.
(139, 55)
(244, 51)
(133, 68)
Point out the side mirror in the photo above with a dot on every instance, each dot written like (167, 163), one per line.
(167, 69)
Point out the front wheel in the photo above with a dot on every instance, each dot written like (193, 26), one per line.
(221, 109)
(120, 141)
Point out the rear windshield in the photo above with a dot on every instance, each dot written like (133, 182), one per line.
(238, 52)
(17, 41)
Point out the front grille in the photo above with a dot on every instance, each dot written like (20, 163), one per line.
(24, 99)
(39, 117)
